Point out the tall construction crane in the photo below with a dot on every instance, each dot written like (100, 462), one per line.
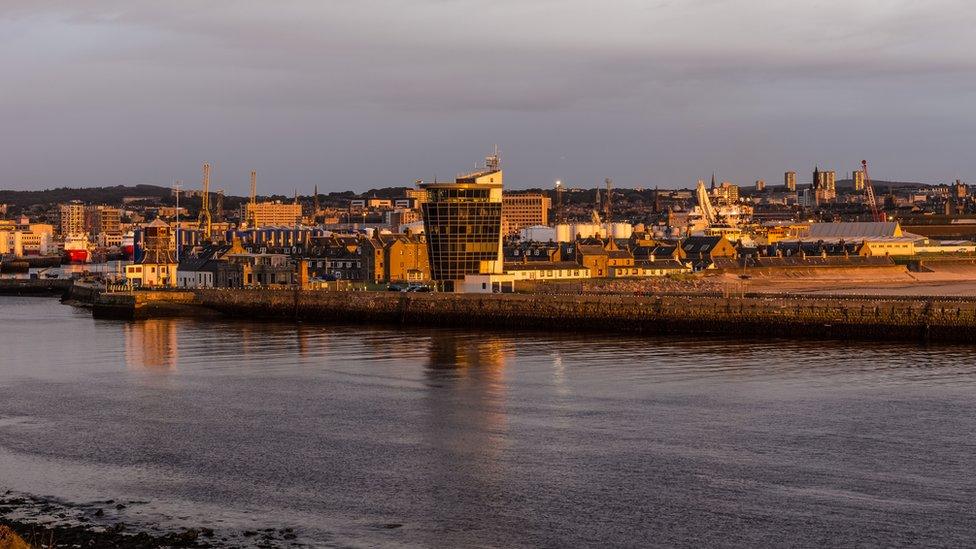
(876, 215)
(252, 204)
(205, 219)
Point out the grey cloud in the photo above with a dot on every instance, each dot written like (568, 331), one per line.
(613, 79)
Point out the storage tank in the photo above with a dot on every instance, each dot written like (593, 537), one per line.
(537, 233)
(564, 233)
(18, 244)
(621, 230)
(588, 230)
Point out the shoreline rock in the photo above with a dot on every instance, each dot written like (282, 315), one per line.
(28, 521)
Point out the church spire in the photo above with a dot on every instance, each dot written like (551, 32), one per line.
(713, 181)
(315, 205)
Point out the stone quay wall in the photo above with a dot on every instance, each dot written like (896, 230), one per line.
(749, 315)
(145, 304)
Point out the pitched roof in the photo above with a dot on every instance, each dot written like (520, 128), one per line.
(661, 264)
(542, 266)
(592, 249)
(700, 244)
(854, 229)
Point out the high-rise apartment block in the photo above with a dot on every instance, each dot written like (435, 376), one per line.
(825, 185)
(789, 180)
(73, 219)
(419, 195)
(106, 220)
(268, 214)
(857, 176)
(726, 193)
(524, 210)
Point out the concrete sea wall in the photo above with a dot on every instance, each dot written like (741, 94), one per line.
(739, 316)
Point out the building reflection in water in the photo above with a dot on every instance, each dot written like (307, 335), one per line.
(466, 421)
(151, 344)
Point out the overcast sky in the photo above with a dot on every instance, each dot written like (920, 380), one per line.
(372, 93)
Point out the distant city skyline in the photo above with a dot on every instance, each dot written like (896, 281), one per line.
(353, 96)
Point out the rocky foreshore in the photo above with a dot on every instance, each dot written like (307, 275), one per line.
(48, 523)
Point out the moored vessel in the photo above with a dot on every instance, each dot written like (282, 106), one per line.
(76, 248)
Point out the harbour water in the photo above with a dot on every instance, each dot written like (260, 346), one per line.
(371, 436)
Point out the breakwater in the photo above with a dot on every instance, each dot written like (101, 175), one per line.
(747, 315)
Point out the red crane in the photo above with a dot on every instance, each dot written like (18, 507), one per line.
(869, 189)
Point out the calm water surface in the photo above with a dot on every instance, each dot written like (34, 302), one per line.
(470, 438)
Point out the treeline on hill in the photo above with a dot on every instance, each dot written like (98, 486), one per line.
(114, 195)
(92, 195)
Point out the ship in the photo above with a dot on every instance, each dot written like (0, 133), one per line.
(76, 248)
(705, 218)
(128, 244)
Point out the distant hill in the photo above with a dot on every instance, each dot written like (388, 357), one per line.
(92, 195)
(881, 184)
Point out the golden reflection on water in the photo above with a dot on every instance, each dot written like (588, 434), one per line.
(468, 393)
(152, 344)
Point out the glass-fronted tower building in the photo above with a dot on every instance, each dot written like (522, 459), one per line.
(463, 222)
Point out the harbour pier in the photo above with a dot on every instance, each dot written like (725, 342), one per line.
(742, 316)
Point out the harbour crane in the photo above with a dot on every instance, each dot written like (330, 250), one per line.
(876, 215)
(204, 219)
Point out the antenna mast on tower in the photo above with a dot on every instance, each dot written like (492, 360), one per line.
(493, 161)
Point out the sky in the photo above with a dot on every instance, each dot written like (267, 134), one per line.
(359, 94)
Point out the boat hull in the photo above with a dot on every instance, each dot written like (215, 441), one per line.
(76, 256)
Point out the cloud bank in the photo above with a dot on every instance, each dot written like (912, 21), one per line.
(371, 93)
